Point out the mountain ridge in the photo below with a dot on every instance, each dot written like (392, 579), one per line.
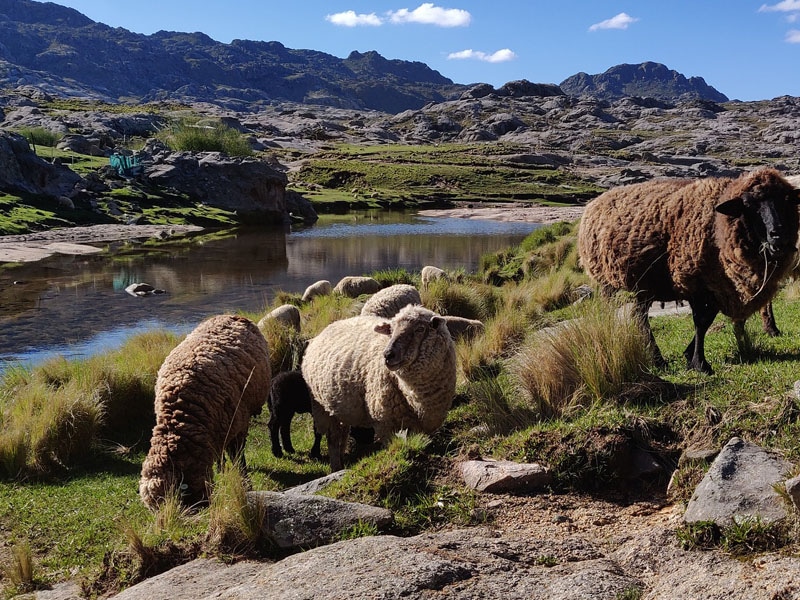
(60, 51)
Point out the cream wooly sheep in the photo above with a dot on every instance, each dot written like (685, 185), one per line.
(387, 302)
(353, 287)
(366, 371)
(318, 288)
(206, 391)
(722, 244)
(286, 314)
(430, 273)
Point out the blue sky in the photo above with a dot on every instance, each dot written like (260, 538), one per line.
(747, 49)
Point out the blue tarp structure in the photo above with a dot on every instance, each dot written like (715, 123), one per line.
(126, 166)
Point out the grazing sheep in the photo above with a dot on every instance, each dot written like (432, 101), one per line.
(721, 244)
(319, 288)
(289, 396)
(206, 391)
(387, 302)
(367, 371)
(430, 273)
(287, 314)
(462, 328)
(353, 287)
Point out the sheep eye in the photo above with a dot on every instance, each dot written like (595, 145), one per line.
(420, 329)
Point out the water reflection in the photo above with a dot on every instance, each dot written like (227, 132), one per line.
(77, 305)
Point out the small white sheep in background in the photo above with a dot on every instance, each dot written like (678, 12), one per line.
(463, 328)
(318, 288)
(430, 274)
(287, 314)
(353, 287)
(388, 301)
(366, 371)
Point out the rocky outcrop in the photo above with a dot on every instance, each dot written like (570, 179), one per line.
(22, 171)
(248, 186)
(740, 485)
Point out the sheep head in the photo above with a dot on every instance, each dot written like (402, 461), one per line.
(765, 206)
(409, 331)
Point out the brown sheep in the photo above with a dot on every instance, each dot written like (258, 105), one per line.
(722, 244)
(206, 391)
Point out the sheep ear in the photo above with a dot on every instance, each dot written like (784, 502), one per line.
(733, 207)
(384, 328)
(436, 321)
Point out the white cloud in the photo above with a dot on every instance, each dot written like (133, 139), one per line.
(429, 14)
(503, 55)
(793, 36)
(783, 6)
(349, 18)
(620, 21)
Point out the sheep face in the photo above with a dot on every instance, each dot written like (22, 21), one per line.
(763, 221)
(407, 337)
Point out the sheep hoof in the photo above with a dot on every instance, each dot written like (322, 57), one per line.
(701, 366)
(277, 452)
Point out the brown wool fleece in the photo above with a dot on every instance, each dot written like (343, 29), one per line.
(665, 239)
(207, 389)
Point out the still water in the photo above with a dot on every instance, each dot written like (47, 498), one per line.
(77, 305)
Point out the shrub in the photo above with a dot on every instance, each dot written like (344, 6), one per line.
(586, 359)
(39, 136)
(192, 137)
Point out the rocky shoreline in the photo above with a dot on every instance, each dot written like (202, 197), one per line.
(35, 246)
(30, 247)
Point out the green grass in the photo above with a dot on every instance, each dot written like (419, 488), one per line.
(421, 174)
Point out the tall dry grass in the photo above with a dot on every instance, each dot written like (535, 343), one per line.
(584, 360)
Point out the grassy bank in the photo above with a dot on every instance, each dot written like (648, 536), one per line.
(550, 381)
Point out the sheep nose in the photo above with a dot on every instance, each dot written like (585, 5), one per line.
(392, 357)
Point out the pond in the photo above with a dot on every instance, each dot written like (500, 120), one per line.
(77, 305)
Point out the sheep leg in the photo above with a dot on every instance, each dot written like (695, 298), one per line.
(640, 309)
(768, 321)
(285, 430)
(273, 434)
(337, 443)
(316, 451)
(703, 314)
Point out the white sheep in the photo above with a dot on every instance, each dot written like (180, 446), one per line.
(366, 371)
(430, 274)
(286, 314)
(388, 301)
(463, 328)
(318, 288)
(353, 287)
(206, 391)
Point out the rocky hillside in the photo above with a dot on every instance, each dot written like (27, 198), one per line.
(91, 59)
(647, 79)
(49, 48)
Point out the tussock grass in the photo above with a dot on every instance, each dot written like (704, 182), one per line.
(194, 136)
(458, 299)
(286, 345)
(19, 569)
(56, 415)
(587, 359)
(235, 525)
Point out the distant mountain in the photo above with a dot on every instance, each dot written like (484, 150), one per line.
(48, 48)
(59, 50)
(648, 79)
